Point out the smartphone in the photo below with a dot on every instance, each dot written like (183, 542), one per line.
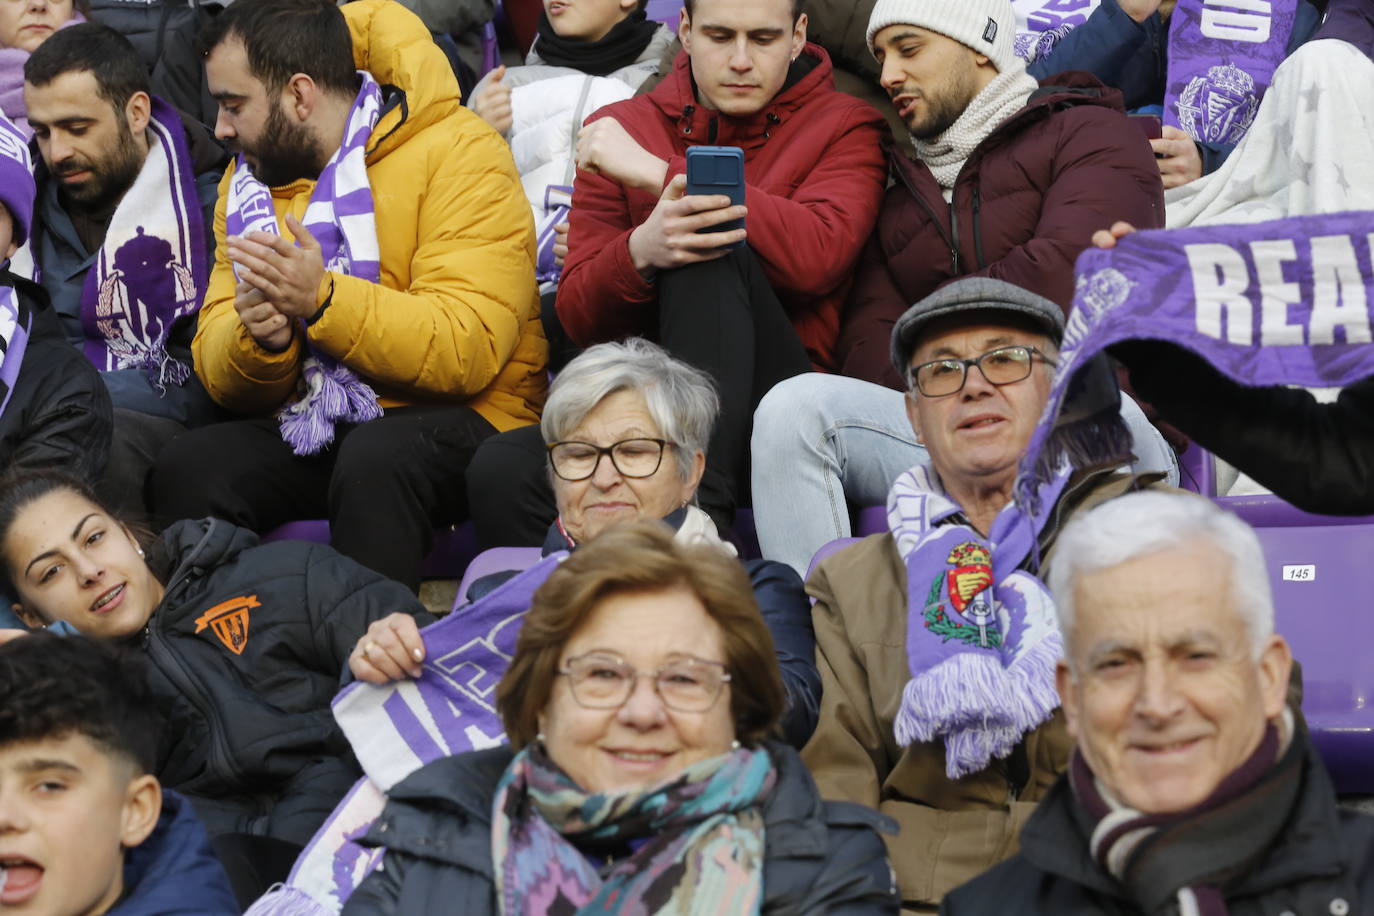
(717, 170)
(1150, 125)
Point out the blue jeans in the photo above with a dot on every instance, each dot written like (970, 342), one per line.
(822, 443)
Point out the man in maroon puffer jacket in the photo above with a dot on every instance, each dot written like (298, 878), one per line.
(1013, 177)
(814, 175)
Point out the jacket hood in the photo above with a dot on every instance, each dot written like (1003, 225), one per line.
(810, 74)
(1074, 87)
(173, 872)
(418, 85)
(193, 546)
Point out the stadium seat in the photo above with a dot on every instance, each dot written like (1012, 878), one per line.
(495, 560)
(453, 547)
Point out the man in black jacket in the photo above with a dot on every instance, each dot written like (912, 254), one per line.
(1193, 787)
(122, 236)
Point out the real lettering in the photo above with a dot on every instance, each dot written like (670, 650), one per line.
(1237, 20)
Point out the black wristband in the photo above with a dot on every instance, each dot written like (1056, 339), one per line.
(329, 297)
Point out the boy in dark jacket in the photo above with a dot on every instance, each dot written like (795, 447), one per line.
(85, 828)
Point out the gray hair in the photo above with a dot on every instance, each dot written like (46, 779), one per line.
(1147, 522)
(681, 399)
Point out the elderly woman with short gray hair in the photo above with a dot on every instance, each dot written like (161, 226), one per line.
(625, 429)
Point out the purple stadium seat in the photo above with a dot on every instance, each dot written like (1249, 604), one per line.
(1197, 470)
(665, 11)
(826, 550)
(495, 560)
(453, 547)
(1320, 577)
(870, 520)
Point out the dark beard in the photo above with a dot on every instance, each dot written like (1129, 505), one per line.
(947, 108)
(285, 152)
(111, 176)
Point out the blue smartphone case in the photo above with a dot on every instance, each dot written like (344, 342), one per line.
(717, 170)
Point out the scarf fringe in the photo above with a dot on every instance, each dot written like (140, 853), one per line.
(965, 690)
(285, 900)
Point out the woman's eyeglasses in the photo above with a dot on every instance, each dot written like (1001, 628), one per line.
(630, 457)
(601, 681)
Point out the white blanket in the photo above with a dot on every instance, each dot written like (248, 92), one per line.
(1310, 149)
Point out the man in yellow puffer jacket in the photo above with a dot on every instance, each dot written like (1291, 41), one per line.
(362, 400)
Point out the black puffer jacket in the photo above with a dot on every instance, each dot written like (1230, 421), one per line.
(1320, 863)
(248, 648)
(820, 857)
(58, 415)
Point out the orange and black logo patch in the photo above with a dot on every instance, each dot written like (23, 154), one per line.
(229, 620)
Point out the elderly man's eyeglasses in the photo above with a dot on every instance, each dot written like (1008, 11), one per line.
(630, 457)
(1002, 366)
(605, 682)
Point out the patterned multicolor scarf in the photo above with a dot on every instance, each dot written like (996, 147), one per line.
(341, 218)
(152, 267)
(1182, 860)
(1221, 61)
(982, 642)
(1287, 302)
(704, 833)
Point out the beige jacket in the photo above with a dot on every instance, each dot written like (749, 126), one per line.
(951, 830)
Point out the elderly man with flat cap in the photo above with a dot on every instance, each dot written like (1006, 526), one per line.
(936, 640)
(1192, 788)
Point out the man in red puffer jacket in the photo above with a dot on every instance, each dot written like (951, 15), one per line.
(814, 176)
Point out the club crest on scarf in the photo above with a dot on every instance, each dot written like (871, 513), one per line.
(152, 267)
(1218, 107)
(967, 584)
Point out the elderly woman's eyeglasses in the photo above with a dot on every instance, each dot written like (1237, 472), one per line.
(630, 457)
(1002, 366)
(605, 682)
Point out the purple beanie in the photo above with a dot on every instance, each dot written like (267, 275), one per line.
(17, 189)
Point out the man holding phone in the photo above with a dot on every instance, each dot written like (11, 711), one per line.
(750, 305)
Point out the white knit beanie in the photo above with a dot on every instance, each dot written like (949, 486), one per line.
(986, 26)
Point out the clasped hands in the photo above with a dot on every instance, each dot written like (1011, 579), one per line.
(279, 282)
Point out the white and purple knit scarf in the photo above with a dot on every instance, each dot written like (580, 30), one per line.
(342, 219)
(152, 267)
(14, 340)
(982, 642)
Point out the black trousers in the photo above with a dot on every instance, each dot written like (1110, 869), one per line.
(384, 485)
(721, 316)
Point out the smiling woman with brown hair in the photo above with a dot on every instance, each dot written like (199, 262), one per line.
(639, 777)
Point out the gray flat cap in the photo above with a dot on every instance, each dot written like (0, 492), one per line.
(972, 294)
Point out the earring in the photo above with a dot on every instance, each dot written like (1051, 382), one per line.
(734, 745)
(539, 737)
(140, 551)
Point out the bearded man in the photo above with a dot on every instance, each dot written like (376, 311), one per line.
(122, 235)
(1010, 174)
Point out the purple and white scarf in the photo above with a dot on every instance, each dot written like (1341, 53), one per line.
(1041, 24)
(342, 219)
(152, 267)
(14, 340)
(1222, 58)
(1286, 302)
(399, 727)
(982, 642)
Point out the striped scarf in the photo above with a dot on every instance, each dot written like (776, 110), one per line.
(703, 833)
(342, 219)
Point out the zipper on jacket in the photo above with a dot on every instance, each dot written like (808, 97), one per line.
(954, 231)
(977, 236)
(713, 131)
(939, 226)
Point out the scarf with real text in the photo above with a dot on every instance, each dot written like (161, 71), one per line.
(1285, 302)
(945, 154)
(704, 831)
(342, 219)
(1221, 61)
(1185, 859)
(982, 641)
(152, 268)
